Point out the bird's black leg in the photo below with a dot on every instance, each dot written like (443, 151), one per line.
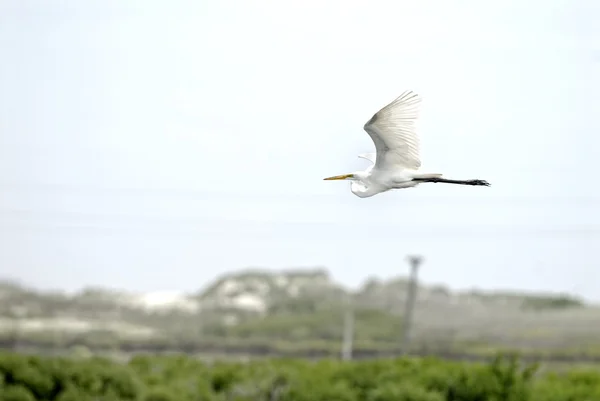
(459, 182)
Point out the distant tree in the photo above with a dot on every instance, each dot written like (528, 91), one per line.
(552, 302)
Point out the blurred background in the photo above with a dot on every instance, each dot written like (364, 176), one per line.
(161, 172)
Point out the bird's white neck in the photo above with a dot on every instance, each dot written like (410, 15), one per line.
(363, 191)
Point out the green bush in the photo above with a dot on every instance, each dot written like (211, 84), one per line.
(403, 392)
(16, 393)
(160, 394)
(74, 394)
(181, 378)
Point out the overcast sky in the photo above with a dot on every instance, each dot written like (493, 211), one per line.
(152, 145)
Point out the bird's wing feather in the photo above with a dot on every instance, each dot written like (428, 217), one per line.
(368, 156)
(392, 129)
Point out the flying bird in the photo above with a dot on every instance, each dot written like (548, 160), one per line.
(396, 162)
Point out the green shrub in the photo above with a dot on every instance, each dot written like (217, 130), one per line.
(74, 394)
(320, 391)
(403, 392)
(170, 378)
(160, 394)
(16, 393)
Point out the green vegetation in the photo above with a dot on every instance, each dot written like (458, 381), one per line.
(179, 378)
(551, 302)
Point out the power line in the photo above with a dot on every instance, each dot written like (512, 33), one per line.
(318, 232)
(219, 194)
(71, 218)
(68, 218)
(23, 219)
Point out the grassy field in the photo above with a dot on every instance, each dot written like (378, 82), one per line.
(180, 378)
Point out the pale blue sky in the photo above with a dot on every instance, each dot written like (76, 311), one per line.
(152, 145)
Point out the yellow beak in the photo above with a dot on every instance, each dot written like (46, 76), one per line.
(338, 177)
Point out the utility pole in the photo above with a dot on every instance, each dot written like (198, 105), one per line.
(348, 334)
(18, 313)
(409, 306)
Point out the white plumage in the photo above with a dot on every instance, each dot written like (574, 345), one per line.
(368, 156)
(393, 131)
(397, 160)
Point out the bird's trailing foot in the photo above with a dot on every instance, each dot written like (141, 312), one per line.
(478, 182)
(447, 181)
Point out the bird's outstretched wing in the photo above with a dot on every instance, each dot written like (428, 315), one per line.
(393, 131)
(368, 156)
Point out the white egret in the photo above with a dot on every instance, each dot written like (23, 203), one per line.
(396, 161)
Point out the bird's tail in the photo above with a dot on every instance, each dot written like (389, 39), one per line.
(426, 176)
